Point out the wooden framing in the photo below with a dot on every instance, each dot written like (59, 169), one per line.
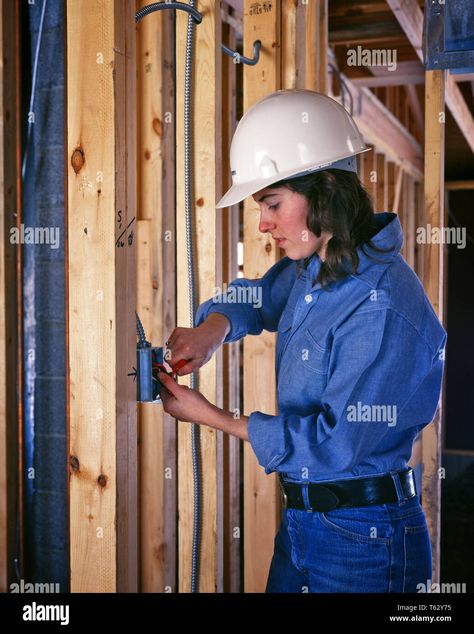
(410, 221)
(316, 45)
(102, 230)
(390, 185)
(381, 187)
(381, 128)
(433, 281)
(10, 295)
(206, 159)
(457, 185)
(261, 505)
(130, 495)
(410, 18)
(232, 446)
(156, 292)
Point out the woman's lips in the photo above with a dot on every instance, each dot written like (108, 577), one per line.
(280, 241)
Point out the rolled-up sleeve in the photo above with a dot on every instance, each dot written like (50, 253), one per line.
(252, 305)
(379, 363)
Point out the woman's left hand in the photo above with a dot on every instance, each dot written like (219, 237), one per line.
(182, 402)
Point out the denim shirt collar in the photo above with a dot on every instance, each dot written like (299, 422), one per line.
(372, 263)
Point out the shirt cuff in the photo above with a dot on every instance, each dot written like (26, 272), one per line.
(267, 438)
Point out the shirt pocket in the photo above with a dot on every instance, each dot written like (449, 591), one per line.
(311, 356)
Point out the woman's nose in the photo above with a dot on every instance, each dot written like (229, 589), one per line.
(265, 225)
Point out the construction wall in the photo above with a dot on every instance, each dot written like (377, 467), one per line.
(130, 496)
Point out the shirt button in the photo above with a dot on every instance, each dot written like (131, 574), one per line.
(308, 298)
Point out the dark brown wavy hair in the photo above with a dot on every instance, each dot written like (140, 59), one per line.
(339, 204)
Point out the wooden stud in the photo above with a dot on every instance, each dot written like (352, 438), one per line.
(367, 172)
(11, 350)
(410, 222)
(101, 295)
(390, 185)
(416, 109)
(292, 12)
(165, 270)
(381, 185)
(156, 292)
(419, 222)
(316, 21)
(231, 353)
(398, 189)
(434, 285)
(261, 506)
(206, 161)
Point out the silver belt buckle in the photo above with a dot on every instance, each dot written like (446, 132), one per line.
(284, 497)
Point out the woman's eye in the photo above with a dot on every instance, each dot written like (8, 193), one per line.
(275, 206)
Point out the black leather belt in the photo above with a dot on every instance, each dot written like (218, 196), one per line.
(347, 493)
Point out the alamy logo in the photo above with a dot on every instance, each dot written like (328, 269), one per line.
(441, 587)
(441, 235)
(360, 413)
(238, 295)
(38, 612)
(35, 235)
(28, 588)
(372, 57)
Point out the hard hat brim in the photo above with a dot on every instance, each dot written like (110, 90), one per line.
(239, 191)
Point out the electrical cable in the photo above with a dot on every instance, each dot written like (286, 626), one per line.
(195, 432)
(194, 17)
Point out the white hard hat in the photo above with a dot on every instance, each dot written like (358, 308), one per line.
(290, 133)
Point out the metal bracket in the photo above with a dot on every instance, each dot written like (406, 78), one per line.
(241, 59)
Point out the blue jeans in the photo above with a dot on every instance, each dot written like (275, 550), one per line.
(379, 548)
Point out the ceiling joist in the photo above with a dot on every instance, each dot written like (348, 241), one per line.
(410, 18)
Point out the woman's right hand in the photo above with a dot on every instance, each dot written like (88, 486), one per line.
(196, 345)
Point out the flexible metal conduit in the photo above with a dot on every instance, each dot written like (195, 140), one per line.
(194, 16)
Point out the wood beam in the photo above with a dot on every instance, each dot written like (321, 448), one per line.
(401, 79)
(398, 190)
(232, 475)
(410, 18)
(261, 499)
(357, 29)
(206, 160)
(291, 33)
(382, 129)
(456, 185)
(390, 185)
(460, 110)
(316, 45)
(156, 291)
(391, 79)
(433, 282)
(101, 295)
(410, 222)
(381, 188)
(416, 108)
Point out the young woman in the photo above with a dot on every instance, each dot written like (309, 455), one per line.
(359, 355)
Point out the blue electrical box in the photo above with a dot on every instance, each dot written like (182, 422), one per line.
(148, 384)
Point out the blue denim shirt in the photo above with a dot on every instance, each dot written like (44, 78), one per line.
(358, 365)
